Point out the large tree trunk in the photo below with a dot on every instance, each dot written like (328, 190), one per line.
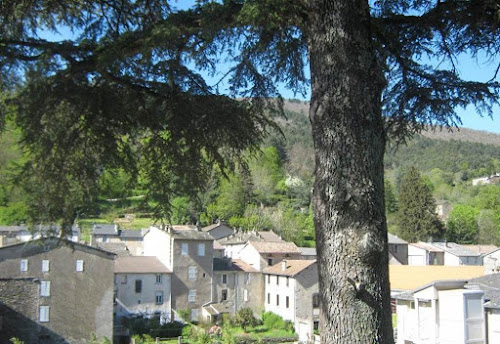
(351, 230)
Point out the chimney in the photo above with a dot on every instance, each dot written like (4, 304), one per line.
(283, 265)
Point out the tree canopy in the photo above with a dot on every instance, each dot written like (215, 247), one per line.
(123, 89)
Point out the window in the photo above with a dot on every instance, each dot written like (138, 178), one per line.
(45, 288)
(192, 295)
(124, 279)
(224, 279)
(79, 265)
(315, 300)
(194, 315)
(268, 279)
(192, 273)
(316, 325)
(224, 295)
(268, 298)
(45, 266)
(277, 300)
(269, 261)
(158, 279)
(247, 277)
(277, 280)
(245, 295)
(44, 313)
(201, 250)
(138, 286)
(159, 298)
(287, 281)
(287, 302)
(23, 267)
(184, 249)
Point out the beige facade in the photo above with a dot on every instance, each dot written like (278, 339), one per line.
(260, 254)
(142, 287)
(75, 290)
(291, 291)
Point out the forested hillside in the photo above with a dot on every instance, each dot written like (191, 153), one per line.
(272, 191)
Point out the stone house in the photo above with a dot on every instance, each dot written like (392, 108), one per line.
(142, 287)
(261, 254)
(235, 285)
(188, 253)
(113, 234)
(69, 287)
(291, 291)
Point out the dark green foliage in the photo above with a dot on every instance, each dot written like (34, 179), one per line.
(391, 203)
(416, 217)
(245, 319)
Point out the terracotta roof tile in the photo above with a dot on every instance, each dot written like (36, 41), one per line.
(293, 267)
(275, 247)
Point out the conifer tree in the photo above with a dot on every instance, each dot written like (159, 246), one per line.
(124, 90)
(416, 217)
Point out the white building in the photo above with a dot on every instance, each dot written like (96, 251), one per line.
(442, 312)
(142, 287)
(261, 254)
(424, 254)
(291, 291)
(455, 254)
(491, 262)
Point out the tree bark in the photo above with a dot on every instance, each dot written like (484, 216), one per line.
(349, 139)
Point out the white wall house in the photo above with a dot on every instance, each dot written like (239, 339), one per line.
(424, 254)
(291, 291)
(455, 254)
(491, 262)
(142, 287)
(261, 254)
(443, 312)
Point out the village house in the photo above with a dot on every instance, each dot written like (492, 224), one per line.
(10, 235)
(291, 291)
(398, 250)
(234, 243)
(188, 253)
(218, 230)
(442, 312)
(236, 285)
(112, 233)
(55, 291)
(424, 254)
(261, 254)
(491, 262)
(142, 287)
(455, 254)
(451, 311)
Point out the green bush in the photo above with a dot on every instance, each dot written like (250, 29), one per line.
(272, 320)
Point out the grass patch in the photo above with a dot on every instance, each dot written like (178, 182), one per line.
(394, 320)
(258, 332)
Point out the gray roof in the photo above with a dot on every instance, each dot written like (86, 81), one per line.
(455, 249)
(308, 251)
(440, 285)
(490, 285)
(244, 237)
(225, 264)
(133, 233)
(394, 239)
(105, 229)
(117, 248)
